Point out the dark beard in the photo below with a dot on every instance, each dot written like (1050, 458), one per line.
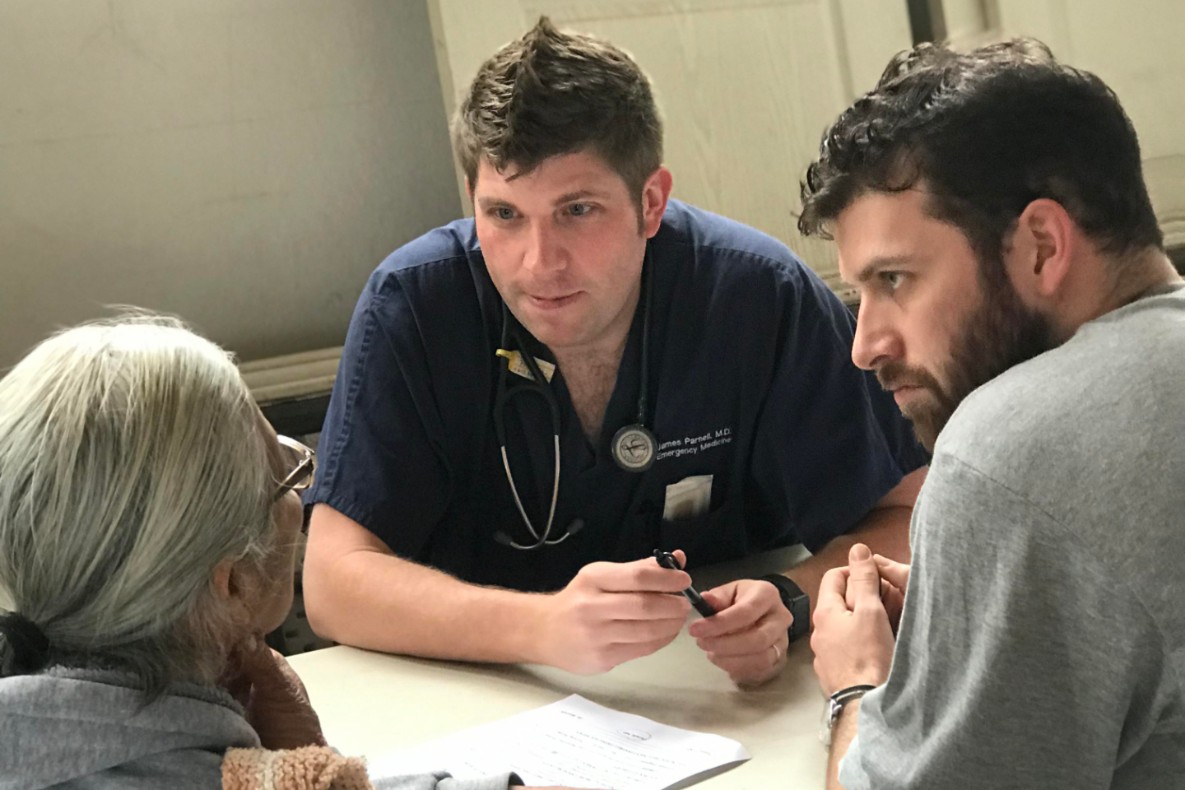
(1000, 334)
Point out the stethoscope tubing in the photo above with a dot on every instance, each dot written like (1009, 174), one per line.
(540, 540)
(541, 386)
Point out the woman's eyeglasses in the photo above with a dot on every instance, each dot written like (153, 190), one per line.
(304, 464)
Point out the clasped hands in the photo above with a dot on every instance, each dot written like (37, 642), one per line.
(856, 616)
(610, 613)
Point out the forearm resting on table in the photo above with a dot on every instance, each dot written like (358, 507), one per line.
(885, 530)
(358, 593)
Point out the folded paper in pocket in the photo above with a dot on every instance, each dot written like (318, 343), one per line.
(688, 498)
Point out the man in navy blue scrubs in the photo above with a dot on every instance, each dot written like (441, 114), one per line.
(689, 376)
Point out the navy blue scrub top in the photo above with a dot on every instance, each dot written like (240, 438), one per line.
(750, 380)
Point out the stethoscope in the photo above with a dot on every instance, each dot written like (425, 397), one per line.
(633, 447)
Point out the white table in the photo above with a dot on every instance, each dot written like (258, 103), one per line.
(372, 704)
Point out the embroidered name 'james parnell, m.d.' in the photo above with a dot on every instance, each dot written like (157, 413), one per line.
(691, 445)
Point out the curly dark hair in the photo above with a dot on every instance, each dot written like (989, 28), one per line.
(551, 93)
(986, 133)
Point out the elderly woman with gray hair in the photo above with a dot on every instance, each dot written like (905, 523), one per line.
(148, 533)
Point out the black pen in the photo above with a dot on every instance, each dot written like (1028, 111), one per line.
(667, 560)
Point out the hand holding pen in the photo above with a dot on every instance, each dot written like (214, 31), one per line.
(611, 612)
(667, 560)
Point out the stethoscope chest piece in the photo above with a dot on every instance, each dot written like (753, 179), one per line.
(633, 448)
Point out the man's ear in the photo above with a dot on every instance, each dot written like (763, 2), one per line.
(1042, 250)
(655, 193)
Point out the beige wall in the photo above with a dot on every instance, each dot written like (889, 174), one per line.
(745, 87)
(243, 163)
(246, 163)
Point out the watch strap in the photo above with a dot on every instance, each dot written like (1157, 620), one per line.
(796, 602)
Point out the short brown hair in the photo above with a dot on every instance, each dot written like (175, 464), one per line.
(551, 93)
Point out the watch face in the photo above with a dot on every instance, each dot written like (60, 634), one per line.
(800, 608)
(796, 602)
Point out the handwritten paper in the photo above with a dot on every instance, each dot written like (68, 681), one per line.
(572, 742)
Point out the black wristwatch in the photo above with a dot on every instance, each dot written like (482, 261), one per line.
(795, 601)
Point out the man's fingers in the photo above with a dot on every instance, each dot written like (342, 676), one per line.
(739, 605)
(603, 607)
(627, 632)
(832, 589)
(896, 573)
(754, 668)
(864, 580)
(616, 654)
(722, 598)
(643, 575)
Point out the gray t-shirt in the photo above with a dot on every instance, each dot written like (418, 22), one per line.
(1043, 639)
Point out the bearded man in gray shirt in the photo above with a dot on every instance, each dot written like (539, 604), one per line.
(1017, 300)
